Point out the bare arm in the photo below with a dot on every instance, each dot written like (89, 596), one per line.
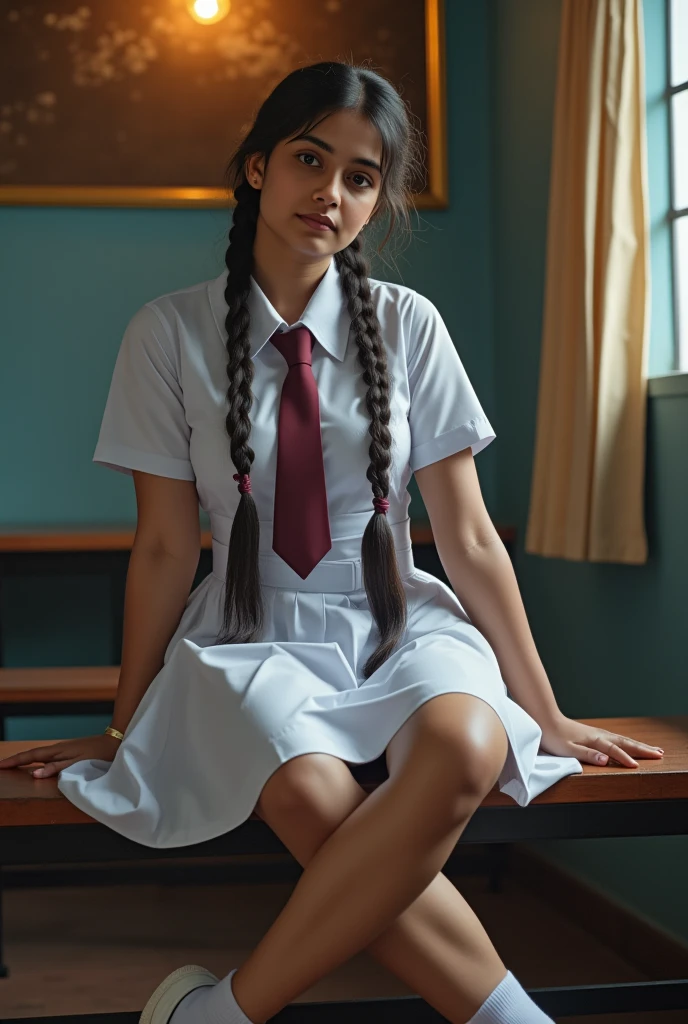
(162, 566)
(481, 574)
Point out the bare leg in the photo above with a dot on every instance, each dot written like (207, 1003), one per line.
(383, 856)
(438, 947)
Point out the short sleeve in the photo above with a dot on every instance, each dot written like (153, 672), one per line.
(445, 415)
(144, 426)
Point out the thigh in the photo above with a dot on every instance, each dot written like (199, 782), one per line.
(307, 799)
(452, 730)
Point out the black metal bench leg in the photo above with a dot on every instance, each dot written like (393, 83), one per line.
(4, 970)
(497, 858)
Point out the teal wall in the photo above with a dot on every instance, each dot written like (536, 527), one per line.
(71, 278)
(612, 637)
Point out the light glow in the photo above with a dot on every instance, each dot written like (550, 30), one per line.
(207, 12)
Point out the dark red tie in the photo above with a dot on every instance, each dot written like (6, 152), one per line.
(301, 524)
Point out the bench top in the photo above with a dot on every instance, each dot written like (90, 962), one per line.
(30, 685)
(25, 800)
(120, 537)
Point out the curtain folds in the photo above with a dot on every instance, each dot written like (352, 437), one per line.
(587, 489)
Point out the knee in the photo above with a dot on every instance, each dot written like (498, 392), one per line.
(317, 789)
(469, 752)
(478, 763)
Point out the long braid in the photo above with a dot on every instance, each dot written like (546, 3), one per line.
(296, 104)
(244, 615)
(387, 601)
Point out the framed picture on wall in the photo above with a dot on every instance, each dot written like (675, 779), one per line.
(141, 102)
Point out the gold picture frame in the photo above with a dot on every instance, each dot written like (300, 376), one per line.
(434, 196)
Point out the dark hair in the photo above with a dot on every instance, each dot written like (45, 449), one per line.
(306, 96)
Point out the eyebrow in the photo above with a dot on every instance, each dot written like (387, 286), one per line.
(330, 149)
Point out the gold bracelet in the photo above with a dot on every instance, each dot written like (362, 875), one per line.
(110, 731)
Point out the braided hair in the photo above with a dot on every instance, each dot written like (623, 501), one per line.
(300, 100)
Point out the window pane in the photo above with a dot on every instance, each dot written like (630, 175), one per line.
(681, 226)
(679, 41)
(679, 104)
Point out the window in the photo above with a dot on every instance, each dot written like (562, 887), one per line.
(677, 64)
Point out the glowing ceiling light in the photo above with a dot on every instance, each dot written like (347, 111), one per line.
(207, 12)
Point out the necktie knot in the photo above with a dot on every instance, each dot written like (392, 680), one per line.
(296, 345)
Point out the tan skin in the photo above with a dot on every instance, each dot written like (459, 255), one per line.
(302, 177)
(375, 861)
(482, 575)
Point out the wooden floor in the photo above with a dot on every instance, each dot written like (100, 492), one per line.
(105, 948)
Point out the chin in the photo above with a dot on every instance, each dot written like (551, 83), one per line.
(316, 246)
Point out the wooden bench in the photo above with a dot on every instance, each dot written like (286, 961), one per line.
(39, 826)
(16, 539)
(104, 550)
(57, 691)
(91, 690)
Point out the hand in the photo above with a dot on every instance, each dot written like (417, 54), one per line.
(60, 755)
(591, 745)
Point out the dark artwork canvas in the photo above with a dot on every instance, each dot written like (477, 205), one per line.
(122, 95)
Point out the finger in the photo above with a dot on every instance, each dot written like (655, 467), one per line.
(51, 769)
(614, 750)
(638, 748)
(27, 757)
(14, 759)
(588, 755)
(600, 757)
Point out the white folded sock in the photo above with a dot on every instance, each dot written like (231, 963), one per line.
(509, 1003)
(210, 1004)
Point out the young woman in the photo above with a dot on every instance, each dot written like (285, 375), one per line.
(315, 643)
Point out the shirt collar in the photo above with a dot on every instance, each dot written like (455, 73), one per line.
(326, 314)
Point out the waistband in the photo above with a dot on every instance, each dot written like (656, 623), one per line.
(340, 570)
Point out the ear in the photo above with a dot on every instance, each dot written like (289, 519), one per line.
(254, 169)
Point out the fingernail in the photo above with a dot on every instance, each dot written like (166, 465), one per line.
(601, 757)
(38, 771)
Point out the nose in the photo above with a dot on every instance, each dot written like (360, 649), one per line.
(328, 191)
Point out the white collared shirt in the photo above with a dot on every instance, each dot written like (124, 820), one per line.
(166, 409)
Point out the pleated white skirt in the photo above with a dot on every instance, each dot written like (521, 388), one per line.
(218, 720)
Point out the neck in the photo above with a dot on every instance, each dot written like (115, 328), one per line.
(287, 278)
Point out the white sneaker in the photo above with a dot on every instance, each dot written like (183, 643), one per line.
(172, 990)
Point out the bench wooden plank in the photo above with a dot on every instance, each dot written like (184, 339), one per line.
(29, 685)
(120, 537)
(25, 800)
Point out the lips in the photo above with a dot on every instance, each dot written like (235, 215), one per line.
(313, 222)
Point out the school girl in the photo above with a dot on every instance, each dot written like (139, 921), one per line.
(294, 397)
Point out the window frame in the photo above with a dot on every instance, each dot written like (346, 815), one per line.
(680, 358)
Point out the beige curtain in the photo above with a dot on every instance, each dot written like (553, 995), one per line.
(589, 468)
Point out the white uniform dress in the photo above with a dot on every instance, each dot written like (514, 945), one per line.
(218, 720)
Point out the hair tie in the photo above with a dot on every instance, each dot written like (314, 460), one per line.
(244, 482)
(381, 505)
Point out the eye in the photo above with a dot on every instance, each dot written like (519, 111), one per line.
(299, 155)
(366, 179)
(356, 174)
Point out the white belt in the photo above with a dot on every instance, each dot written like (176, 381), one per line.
(330, 575)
